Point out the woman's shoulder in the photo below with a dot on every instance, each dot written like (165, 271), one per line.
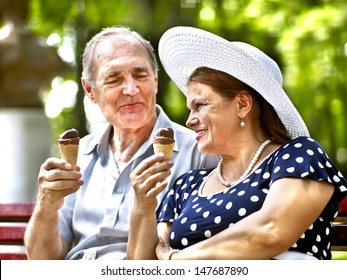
(302, 154)
(302, 146)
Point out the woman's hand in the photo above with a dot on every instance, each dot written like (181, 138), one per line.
(162, 250)
(148, 180)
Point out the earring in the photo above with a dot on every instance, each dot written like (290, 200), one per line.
(242, 123)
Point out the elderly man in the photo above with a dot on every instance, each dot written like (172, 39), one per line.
(84, 214)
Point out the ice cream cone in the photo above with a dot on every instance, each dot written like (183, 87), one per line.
(167, 149)
(69, 153)
(68, 146)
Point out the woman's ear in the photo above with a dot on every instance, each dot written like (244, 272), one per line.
(88, 89)
(244, 102)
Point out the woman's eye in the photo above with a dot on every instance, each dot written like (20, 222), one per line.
(195, 107)
(198, 106)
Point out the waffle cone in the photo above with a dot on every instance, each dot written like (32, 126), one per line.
(69, 153)
(167, 149)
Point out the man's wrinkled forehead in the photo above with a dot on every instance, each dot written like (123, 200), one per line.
(118, 45)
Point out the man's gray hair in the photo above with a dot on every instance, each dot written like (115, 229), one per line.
(88, 54)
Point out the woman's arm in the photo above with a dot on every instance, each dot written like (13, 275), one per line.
(148, 180)
(290, 207)
(142, 236)
(163, 247)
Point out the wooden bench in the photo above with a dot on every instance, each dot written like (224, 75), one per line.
(13, 220)
(15, 216)
(339, 242)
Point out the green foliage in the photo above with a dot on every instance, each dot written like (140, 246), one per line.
(339, 255)
(315, 69)
(307, 38)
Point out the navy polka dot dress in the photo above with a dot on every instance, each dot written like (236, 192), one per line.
(196, 217)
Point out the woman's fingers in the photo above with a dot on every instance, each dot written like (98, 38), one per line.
(147, 163)
(149, 178)
(150, 167)
(157, 189)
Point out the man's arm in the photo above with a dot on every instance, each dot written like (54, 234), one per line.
(56, 181)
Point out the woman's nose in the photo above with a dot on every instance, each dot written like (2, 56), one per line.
(191, 121)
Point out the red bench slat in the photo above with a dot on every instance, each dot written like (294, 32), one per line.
(16, 212)
(12, 235)
(13, 256)
(13, 221)
(343, 207)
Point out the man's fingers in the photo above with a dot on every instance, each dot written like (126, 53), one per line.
(56, 163)
(62, 185)
(53, 196)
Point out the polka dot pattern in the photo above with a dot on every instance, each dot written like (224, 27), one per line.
(196, 217)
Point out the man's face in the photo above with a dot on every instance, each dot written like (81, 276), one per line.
(125, 85)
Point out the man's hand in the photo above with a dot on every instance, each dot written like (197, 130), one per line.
(57, 180)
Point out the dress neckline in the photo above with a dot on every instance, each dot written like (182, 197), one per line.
(232, 186)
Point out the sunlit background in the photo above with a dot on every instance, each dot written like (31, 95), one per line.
(308, 39)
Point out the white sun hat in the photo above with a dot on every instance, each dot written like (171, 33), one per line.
(183, 49)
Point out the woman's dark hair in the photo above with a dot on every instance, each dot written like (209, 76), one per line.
(228, 87)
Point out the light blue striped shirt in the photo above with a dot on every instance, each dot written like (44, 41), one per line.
(95, 220)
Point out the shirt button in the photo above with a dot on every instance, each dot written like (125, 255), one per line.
(89, 257)
(110, 217)
(119, 191)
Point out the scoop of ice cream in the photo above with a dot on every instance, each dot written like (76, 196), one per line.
(164, 142)
(164, 136)
(68, 146)
(70, 136)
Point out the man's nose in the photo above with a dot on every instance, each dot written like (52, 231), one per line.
(130, 87)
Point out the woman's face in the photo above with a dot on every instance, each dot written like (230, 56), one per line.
(212, 117)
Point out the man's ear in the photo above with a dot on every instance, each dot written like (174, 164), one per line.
(156, 82)
(88, 90)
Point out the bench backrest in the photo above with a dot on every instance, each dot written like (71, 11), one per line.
(13, 220)
(340, 229)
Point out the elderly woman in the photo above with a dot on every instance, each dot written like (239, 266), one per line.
(275, 192)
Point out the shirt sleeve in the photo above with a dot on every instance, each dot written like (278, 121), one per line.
(65, 219)
(305, 158)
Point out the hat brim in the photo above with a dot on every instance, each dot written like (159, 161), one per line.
(183, 49)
